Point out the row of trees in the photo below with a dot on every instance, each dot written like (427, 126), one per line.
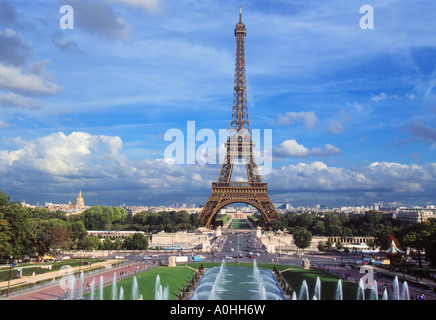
(331, 224)
(36, 231)
(420, 237)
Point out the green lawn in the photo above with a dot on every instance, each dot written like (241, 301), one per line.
(176, 278)
(329, 283)
(239, 224)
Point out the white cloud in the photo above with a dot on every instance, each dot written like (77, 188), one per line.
(291, 148)
(77, 154)
(10, 99)
(309, 118)
(335, 127)
(382, 96)
(61, 163)
(383, 177)
(12, 78)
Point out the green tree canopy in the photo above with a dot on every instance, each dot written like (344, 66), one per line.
(302, 238)
(136, 241)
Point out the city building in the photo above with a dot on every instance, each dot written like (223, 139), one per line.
(411, 216)
(80, 203)
(69, 208)
(112, 234)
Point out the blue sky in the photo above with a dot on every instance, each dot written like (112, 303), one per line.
(352, 111)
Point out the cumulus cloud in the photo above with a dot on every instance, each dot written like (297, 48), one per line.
(14, 79)
(76, 154)
(20, 78)
(308, 118)
(10, 99)
(377, 177)
(62, 162)
(291, 148)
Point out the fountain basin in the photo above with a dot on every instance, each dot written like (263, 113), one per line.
(237, 283)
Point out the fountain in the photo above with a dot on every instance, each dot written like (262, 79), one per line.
(135, 292)
(82, 279)
(235, 283)
(396, 289)
(92, 287)
(216, 285)
(385, 294)
(304, 291)
(73, 286)
(209, 285)
(101, 284)
(114, 287)
(317, 294)
(374, 291)
(121, 293)
(405, 293)
(160, 293)
(339, 294)
(361, 290)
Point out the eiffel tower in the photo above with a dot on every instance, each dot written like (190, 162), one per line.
(239, 146)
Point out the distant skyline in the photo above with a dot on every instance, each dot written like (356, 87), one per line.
(352, 111)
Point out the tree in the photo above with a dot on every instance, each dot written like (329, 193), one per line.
(275, 224)
(318, 227)
(118, 243)
(106, 244)
(137, 241)
(59, 238)
(417, 240)
(4, 199)
(302, 238)
(24, 240)
(5, 237)
(88, 243)
(96, 218)
(79, 231)
(333, 225)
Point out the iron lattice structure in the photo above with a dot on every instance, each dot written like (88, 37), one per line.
(239, 146)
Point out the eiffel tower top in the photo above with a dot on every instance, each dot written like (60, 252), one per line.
(239, 122)
(240, 27)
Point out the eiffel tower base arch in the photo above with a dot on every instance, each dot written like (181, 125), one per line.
(225, 193)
